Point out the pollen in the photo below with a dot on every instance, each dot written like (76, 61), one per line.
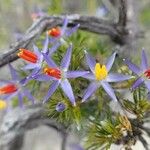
(100, 72)
(8, 89)
(3, 104)
(55, 32)
(27, 55)
(53, 72)
(147, 73)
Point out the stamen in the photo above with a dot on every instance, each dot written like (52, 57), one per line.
(53, 72)
(147, 73)
(3, 104)
(27, 55)
(100, 72)
(55, 32)
(8, 89)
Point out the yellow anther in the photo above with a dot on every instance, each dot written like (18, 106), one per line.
(3, 104)
(100, 72)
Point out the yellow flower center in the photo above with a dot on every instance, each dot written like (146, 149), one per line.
(100, 72)
(3, 104)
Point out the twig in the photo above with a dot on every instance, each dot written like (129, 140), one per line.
(18, 121)
(88, 23)
(64, 141)
(123, 13)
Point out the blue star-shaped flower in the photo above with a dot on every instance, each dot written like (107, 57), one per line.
(60, 75)
(100, 76)
(143, 72)
(15, 87)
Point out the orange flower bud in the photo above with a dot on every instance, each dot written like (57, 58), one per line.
(55, 32)
(53, 72)
(8, 89)
(27, 55)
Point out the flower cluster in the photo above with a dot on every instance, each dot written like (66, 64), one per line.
(43, 68)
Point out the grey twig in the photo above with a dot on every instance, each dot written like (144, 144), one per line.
(122, 13)
(18, 121)
(88, 23)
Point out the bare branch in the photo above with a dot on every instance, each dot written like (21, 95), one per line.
(18, 121)
(122, 13)
(88, 23)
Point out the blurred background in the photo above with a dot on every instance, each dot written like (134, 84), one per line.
(16, 16)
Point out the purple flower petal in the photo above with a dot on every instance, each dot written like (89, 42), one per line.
(35, 72)
(45, 45)
(30, 66)
(20, 99)
(9, 96)
(90, 90)
(13, 72)
(27, 93)
(51, 90)
(137, 83)
(30, 77)
(76, 74)
(52, 40)
(36, 51)
(147, 83)
(109, 90)
(5, 81)
(69, 32)
(43, 77)
(76, 147)
(60, 107)
(133, 67)
(49, 61)
(114, 77)
(89, 76)
(54, 47)
(90, 61)
(144, 63)
(64, 27)
(110, 61)
(66, 59)
(24, 81)
(66, 87)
